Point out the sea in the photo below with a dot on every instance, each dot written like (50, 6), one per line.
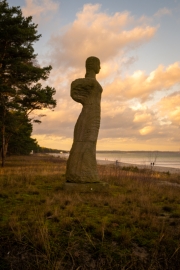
(157, 158)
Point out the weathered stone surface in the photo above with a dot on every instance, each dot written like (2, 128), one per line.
(81, 164)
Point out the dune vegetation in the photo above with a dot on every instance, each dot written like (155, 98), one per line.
(135, 224)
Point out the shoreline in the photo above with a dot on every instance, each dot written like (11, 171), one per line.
(124, 164)
(153, 168)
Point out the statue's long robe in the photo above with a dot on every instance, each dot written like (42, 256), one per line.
(81, 164)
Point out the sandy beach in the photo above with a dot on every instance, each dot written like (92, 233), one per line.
(154, 168)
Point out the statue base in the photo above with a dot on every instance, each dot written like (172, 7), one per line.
(99, 187)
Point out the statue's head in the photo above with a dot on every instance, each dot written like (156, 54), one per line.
(93, 64)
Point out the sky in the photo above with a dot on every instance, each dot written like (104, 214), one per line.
(138, 44)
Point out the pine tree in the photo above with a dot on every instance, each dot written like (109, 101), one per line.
(20, 89)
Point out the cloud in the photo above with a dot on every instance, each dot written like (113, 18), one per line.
(40, 9)
(97, 33)
(142, 86)
(163, 11)
(123, 124)
(170, 107)
(146, 130)
(142, 117)
(61, 121)
(52, 141)
(120, 119)
(119, 123)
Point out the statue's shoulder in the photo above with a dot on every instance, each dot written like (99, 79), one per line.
(83, 82)
(86, 83)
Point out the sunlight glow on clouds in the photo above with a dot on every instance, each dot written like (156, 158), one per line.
(98, 34)
(146, 130)
(52, 141)
(142, 117)
(142, 86)
(131, 115)
(170, 105)
(40, 9)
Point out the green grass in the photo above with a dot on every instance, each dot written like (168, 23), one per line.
(135, 225)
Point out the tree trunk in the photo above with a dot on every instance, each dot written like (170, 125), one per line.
(6, 148)
(3, 152)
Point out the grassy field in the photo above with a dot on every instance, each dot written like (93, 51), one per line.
(135, 225)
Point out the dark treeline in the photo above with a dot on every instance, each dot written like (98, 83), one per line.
(40, 149)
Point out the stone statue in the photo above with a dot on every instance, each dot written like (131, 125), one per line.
(81, 165)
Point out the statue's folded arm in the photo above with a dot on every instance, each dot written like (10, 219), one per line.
(81, 89)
